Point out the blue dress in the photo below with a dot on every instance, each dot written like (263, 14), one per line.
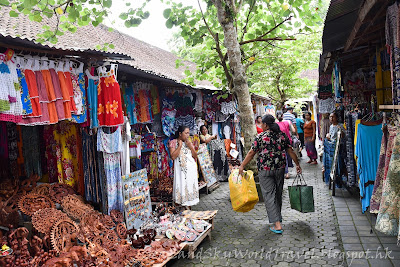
(93, 82)
(367, 151)
(25, 97)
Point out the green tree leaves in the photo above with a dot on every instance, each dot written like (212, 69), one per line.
(69, 15)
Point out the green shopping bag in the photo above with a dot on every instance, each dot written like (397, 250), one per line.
(301, 196)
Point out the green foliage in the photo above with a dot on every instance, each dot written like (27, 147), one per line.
(278, 73)
(261, 25)
(71, 14)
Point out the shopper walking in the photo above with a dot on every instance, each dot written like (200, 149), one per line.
(272, 145)
(310, 128)
(186, 187)
(286, 127)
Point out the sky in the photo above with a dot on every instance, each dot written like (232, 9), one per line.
(152, 30)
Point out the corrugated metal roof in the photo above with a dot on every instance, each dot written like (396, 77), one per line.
(340, 19)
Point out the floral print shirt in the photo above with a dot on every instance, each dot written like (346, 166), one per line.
(271, 148)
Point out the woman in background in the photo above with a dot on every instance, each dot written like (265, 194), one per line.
(310, 128)
(186, 187)
(204, 136)
(259, 124)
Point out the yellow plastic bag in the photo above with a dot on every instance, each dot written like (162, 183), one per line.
(243, 191)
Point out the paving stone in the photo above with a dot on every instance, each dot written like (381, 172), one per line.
(352, 247)
(357, 262)
(368, 240)
(351, 240)
(381, 263)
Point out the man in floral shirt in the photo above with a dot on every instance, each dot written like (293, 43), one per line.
(271, 146)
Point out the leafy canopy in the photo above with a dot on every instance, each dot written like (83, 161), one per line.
(71, 14)
(278, 72)
(261, 25)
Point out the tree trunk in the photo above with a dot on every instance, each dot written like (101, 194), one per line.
(240, 88)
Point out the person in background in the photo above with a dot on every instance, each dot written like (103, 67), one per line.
(335, 127)
(285, 127)
(272, 146)
(204, 136)
(288, 116)
(310, 129)
(186, 185)
(259, 124)
(300, 125)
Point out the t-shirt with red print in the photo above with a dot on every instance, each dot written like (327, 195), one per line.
(271, 148)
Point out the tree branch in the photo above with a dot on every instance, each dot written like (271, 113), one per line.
(204, 19)
(267, 40)
(223, 61)
(247, 21)
(276, 26)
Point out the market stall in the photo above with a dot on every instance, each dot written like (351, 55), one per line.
(358, 87)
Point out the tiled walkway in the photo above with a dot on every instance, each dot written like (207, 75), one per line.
(362, 243)
(243, 239)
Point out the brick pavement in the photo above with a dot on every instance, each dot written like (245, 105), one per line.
(364, 245)
(243, 239)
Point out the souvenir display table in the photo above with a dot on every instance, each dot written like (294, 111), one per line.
(191, 247)
(62, 229)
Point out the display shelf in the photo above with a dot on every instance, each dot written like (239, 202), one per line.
(191, 247)
(207, 215)
(182, 245)
(202, 186)
(389, 106)
(214, 186)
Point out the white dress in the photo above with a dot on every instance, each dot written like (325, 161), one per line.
(186, 185)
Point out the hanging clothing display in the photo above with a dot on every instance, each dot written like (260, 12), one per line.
(23, 87)
(387, 221)
(78, 82)
(219, 158)
(384, 159)
(111, 146)
(350, 160)
(33, 93)
(93, 83)
(31, 150)
(129, 97)
(327, 105)
(367, 153)
(63, 153)
(109, 111)
(392, 42)
(93, 167)
(126, 138)
(186, 187)
(168, 121)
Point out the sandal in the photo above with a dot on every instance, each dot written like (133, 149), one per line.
(313, 163)
(309, 161)
(276, 231)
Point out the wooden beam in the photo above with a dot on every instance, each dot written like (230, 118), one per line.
(328, 57)
(364, 10)
(367, 29)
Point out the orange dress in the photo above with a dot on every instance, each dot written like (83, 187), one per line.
(65, 94)
(51, 105)
(33, 93)
(68, 81)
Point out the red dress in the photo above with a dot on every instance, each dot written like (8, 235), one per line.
(109, 107)
(259, 130)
